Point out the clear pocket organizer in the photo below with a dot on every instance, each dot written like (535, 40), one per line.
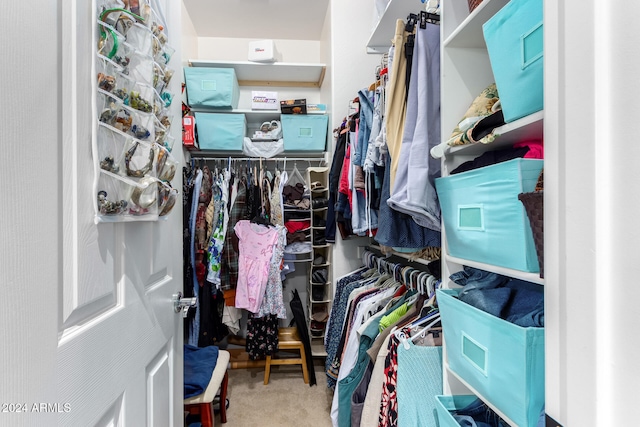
(109, 107)
(140, 68)
(168, 142)
(120, 199)
(136, 123)
(110, 10)
(140, 159)
(107, 73)
(167, 197)
(111, 149)
(142, 98)
(109, 40)
(161, 131)
(156, 26)
(141, 38)
(163, 57)
(166, 165)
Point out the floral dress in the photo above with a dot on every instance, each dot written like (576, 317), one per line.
(221, 219)
(273, 301)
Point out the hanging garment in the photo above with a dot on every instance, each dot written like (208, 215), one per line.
(262, 336)
(414, 190)
(396, 100)
(216, 242)
(187, 286)
(371, 407)
(344, 286)
(359, 395)
(195, 324)
(419, 382)
(256, 250)
(301, 324)
(355, 359)
(212, 330)
(273, 302)
(229, 267)
(399, 230)
(275, 201)
(334, 177)
(388, 415)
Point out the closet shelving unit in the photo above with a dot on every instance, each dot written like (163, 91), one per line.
(267, 76)
(380, 38)
(320, 248)
(465, 72)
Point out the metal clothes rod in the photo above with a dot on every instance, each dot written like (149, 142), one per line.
(264, 159)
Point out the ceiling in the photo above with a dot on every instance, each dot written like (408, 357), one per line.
(258, 19)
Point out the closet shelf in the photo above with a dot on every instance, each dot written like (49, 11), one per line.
(278, 74)
(516, 274)
(469, 33)
(486, 401)
(526, 128)
(252, 115)
(309, 156)
(380, 38)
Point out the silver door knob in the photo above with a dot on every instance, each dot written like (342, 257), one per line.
(183, 304)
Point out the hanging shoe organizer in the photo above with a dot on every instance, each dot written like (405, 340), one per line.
(132, 146)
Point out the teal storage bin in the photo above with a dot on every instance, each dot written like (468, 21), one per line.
(221, 131)
(304, 132)
(501, 362)
(211, 87)
(514, 38)
(483, 219)
(447, 404)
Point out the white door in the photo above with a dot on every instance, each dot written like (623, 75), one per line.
(88, 332)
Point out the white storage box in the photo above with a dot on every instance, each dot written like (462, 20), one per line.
(263, 51)
(261, 100)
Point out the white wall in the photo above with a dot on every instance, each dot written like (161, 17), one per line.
(189, 37)
(351, 70)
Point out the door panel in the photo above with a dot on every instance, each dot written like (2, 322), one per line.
(119, 359)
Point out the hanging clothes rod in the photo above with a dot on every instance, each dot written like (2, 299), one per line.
(258, 159)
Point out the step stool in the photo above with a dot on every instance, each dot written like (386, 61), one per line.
(288, 339)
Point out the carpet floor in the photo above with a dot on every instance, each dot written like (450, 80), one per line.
(285, 402)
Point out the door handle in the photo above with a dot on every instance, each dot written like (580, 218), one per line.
(183, 304)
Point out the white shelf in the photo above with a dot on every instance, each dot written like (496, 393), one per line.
(469, 33)
(252, 115)
(382, 34)
(317, 348)
(516, 274)
(527, 128)
(277, 74)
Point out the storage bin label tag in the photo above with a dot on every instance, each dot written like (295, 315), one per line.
(532, 45)
(475, 353)
(471, 217)
(209, 85)
(304, 132)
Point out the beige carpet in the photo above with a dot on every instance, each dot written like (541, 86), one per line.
(285, 402)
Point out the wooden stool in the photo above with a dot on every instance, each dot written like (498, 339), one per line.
(288, 339)
(202, 403)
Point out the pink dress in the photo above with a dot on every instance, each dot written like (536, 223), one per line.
(256, 250)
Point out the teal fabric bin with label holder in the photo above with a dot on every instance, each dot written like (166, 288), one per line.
(514, 38)
(502, 362)
(483, 219)
(221, 131)
(212, 87)
(304, 132)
